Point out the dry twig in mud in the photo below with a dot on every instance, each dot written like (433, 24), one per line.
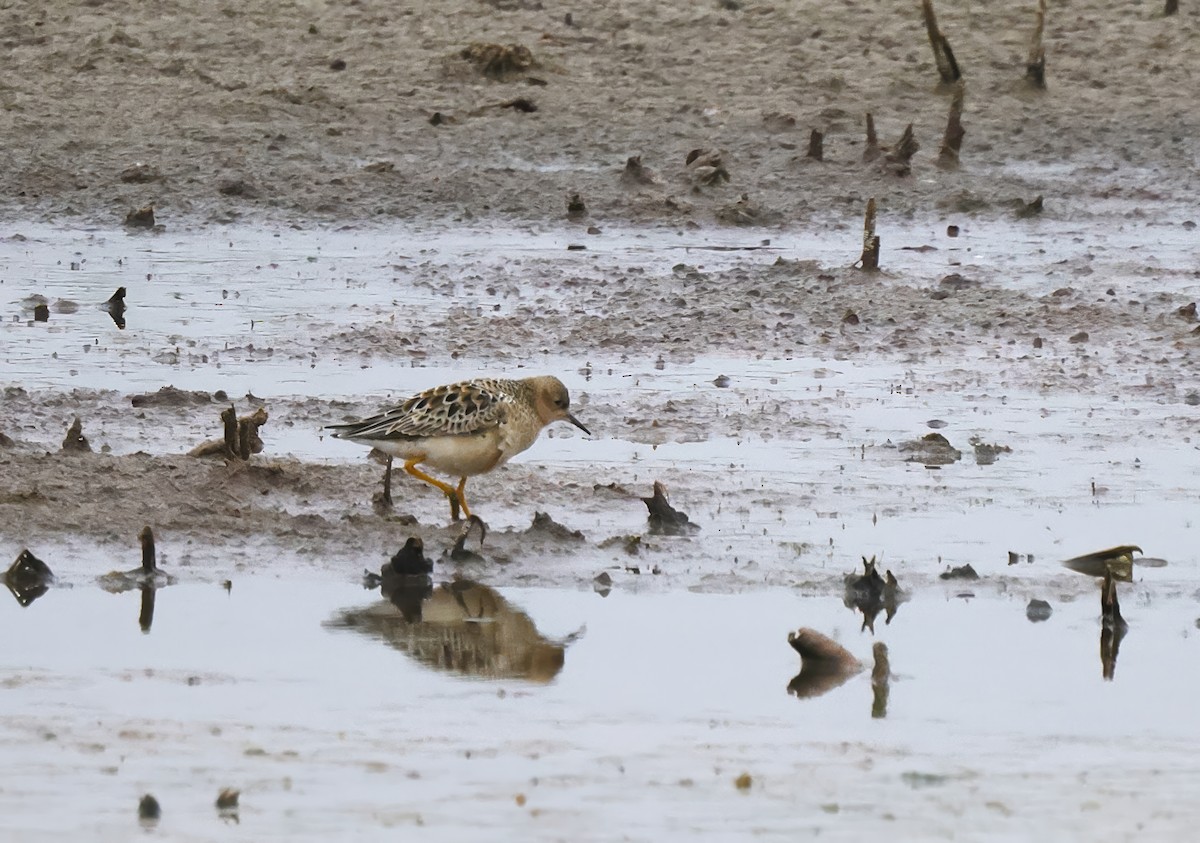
(952, 140)
(899, 156)
(1035, 67)
(943, 56)
(872, 149)
(240, 436)
(816, 145)
(869, 262)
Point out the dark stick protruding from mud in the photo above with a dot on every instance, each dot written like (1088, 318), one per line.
(115, 306)
(952, 139)
(943, 56)
(149, 811)
(230, 420)
(1035, 67)
(244, 436)
(871, 152)
(869, 262)
(816, 145)
(149, 559)
(663, 517)
(75, 440)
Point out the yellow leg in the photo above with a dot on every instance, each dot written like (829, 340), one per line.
(455, 495)
(462, 498)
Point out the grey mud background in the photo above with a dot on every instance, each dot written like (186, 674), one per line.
(350, 211)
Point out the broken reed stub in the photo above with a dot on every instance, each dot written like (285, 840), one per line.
(869, 261)
(948, 156)
(816, 145)
(943, 56)
(871, 152)
(1035, 65)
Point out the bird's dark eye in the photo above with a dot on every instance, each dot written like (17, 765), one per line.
(561, 403)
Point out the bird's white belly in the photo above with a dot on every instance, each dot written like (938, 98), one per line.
(460, 456)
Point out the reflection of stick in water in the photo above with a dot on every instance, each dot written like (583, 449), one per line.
(824, 664)
(881, 675)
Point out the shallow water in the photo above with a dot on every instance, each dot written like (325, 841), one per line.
(281, 688)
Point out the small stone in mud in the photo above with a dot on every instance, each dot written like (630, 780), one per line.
(952, 231)
(1032, 208)
(149, 810)
(636, 174)
(932, 449)
(140, 218)
(28, 578)
(850, 318)
(987, 454)
(576, 207)
(936, 424)
(41, 313)
(1038, 342)
(955, 281)
(1191, 399)
(6, 441)
(237, 187)
(962, 572)
(337, 65)
(1188, 312)
(824, 663)
(743, 782)
(576, 247)
(169, 396)
(380, 167)
(1038, 611)
(721, 381)
(409, 561)
(227, 799)
(521, 104)
(75, 441)
(663, 517)
(140, 173)
(1082, 336)
(602, 584)
(547, 526)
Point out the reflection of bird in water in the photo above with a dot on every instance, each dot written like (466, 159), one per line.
(464, 429)
(463, 627)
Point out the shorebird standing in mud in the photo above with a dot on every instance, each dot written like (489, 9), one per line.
(464, 429)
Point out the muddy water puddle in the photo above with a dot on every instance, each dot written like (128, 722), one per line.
(479, 713)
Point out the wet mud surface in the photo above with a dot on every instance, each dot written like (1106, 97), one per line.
(354, 204)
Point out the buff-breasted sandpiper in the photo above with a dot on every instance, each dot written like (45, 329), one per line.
(464, 429)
